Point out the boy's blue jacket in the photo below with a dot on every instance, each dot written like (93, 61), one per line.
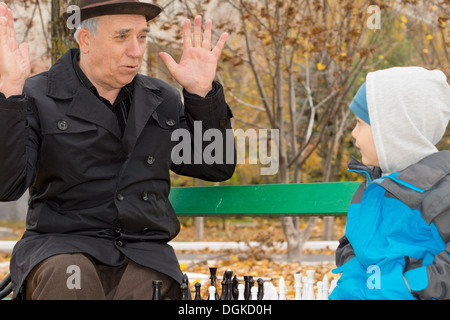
(398, 228)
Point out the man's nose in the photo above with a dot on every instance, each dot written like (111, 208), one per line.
(135, 49)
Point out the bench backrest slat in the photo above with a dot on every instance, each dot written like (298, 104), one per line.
(264, 200)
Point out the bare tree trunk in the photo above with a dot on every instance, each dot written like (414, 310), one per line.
(62, 37)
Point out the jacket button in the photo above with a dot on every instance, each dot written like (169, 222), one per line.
(150, 160)
(170, 122)
(63, 125)
(119, 243)
(144, 196)
(120, 197)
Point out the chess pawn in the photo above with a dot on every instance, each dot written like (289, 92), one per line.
(260, 288)
(254, 293)
(157, 289)
(298, 286)
(241, 290)
(282, 288)
(198, 296)
(212, 292)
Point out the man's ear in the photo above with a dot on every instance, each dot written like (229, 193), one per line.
(84, 38)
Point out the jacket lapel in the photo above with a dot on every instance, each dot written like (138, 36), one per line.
(64, 84)
(86, 106)
(145, 101)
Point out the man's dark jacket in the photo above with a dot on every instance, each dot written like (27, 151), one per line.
(92, 190)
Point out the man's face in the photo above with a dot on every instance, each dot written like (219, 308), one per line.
(364, 142)
(114, 55)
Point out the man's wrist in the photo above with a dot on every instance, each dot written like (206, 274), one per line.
(200, 92)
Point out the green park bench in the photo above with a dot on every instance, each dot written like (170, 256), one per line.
(274, 200)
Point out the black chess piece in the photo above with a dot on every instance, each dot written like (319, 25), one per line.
(185, 293)
(229, 283)
(213, 278)
(185, 280)
(198, 295)
(260, 288)
(157, 289)
(223, 296)
(249, 281)
(229, 295)
(234, 288)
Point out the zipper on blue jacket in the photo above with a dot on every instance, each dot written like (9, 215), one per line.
(371, 173)
(369, 178)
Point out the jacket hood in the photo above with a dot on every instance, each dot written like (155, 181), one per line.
(409, 109)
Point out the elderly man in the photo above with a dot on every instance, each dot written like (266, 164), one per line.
(91, 139)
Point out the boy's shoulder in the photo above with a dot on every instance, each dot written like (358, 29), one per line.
(426, 179)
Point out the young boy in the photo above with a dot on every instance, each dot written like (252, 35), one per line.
(397, 239)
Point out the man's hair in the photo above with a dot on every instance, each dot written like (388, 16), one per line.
(90, 24)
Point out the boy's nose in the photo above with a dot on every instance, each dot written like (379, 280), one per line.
(354, 133)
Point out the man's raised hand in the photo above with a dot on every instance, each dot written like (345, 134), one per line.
(197, 68)
(14, 59)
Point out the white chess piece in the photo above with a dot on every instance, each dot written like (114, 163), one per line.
(325, 287)
(319, 290)
(333, 285)
(212, 293)
(273, 292)
(254, 292)
(310, 274)
(241, 289)
(282, 288)
(310, 291)
(298, 286)
(266, 295)
(305, 287)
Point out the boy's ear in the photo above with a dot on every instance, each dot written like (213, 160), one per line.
(84, 39)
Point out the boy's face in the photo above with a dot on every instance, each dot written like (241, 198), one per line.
(364, 142)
